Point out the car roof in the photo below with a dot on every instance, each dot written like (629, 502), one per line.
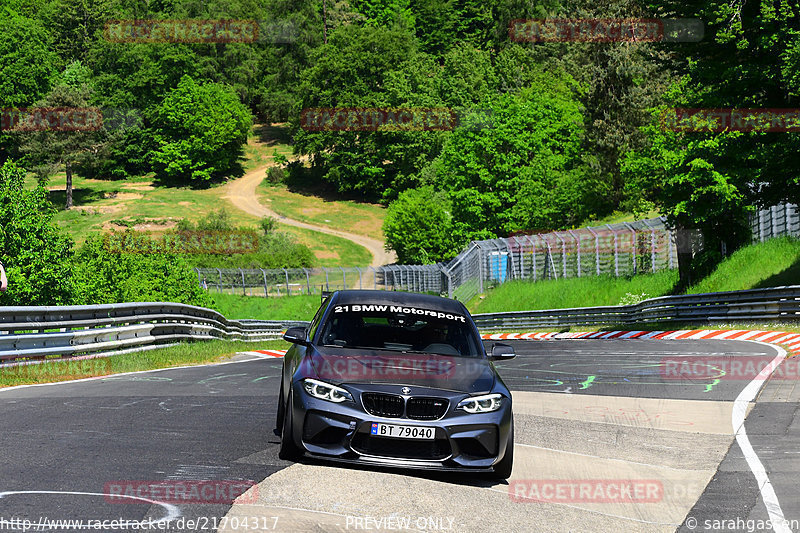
(408, 299)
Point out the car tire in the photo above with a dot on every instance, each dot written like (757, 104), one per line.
(288, 450)
(280, 413)
(502, 470)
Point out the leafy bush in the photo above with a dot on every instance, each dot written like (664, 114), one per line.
(199, 131)
(276, 175)
(103, 276)
(419, 227)
(276, 250)
(36, 254)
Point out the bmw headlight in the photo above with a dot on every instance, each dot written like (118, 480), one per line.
(326, 391)
(482, 404)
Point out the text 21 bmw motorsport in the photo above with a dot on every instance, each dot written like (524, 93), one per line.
(395, 379)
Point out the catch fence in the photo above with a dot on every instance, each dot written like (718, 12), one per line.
(621, 249)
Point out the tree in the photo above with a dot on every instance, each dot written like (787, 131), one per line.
(75, 25)
(685, 175)
(523, 172)
(419, 227)
(48, 147)
(198, 133)
(26, 66)
(105, 275)
(36, 254)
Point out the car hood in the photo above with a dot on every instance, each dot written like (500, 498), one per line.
(462, 374)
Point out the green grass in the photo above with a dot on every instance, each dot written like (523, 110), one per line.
(617, 217)
(103, 205)
(98, 203)
(768, 264)
(184, 354)
(330, 250)
(315, 208)
(301, 307)
(572, 292)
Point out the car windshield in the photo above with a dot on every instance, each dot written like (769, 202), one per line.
(404, 329)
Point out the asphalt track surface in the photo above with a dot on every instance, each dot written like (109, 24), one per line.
(585, 411)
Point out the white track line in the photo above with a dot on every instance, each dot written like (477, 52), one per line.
(737, 419)
(172, 511)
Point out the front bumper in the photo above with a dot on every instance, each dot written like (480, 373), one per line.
(342, 432)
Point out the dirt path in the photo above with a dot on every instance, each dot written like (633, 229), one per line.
(242, 193)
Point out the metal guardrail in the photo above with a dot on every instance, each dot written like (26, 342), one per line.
(39, 332)
(778, 303)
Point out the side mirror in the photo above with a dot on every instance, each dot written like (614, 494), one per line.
(296, 335)
(502, 352)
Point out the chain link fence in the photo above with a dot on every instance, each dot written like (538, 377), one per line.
(614, 249)
(776, 221)
(285, 281)
(621, 249)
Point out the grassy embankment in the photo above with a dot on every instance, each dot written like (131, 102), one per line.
(185, 354)
(141, 204)
(769, 264)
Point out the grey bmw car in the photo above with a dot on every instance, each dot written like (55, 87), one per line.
(395, 379)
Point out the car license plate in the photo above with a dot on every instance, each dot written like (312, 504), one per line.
(402, 432)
